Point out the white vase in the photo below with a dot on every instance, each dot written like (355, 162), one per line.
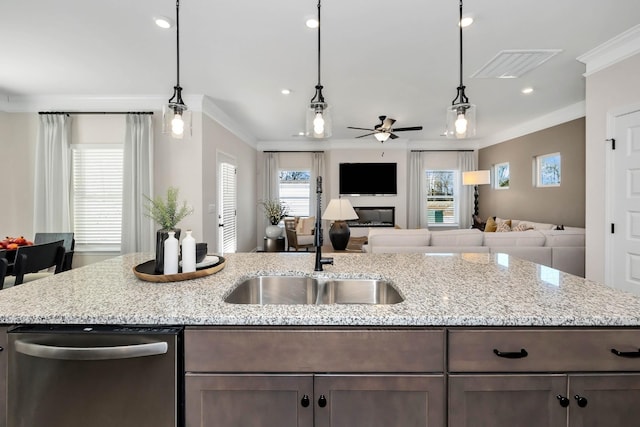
(273, 231)
(171, 249)
(188, 253)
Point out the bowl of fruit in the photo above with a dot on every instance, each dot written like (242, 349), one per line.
(12, 243)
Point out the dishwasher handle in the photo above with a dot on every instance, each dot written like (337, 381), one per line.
(91, 353)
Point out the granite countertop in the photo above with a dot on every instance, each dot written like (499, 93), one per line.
(439, 290)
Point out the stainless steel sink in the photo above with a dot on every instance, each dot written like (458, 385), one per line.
(307, 290)
(360, 291)
(275, 290)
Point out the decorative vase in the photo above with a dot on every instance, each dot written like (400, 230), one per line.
(161, 236)
(188, 253)
(171, 251)
(273, 231)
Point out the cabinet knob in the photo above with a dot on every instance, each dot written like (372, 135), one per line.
(564, 401)
(511, 355)
(322, 401)
(582, 401)
(630, 354)
(305, 401)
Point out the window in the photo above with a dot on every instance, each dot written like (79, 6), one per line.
(97, 196)
(295, 191)
(441, 201)
(548, 170)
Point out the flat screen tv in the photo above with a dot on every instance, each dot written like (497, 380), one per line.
(368, 179)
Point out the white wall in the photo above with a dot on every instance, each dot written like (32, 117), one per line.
(609, 90)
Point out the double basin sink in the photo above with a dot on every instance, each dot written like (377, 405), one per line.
(309, 290)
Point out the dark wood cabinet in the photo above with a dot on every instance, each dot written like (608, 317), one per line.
(3, 376)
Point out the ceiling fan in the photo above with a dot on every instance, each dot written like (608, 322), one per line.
(384, 131)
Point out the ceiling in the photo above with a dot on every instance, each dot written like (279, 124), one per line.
(398, 58)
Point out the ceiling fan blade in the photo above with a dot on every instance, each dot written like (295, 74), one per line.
(387, 123)
(408, 128)
(367, 134)
(351, 127)
(393, 136)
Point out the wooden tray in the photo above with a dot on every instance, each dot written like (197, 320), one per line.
(146, 271)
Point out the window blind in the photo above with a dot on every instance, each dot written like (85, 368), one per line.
(97, 196)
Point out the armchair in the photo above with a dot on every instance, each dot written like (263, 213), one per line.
(299, 235)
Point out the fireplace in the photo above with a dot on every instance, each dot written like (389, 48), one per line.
(374, 216)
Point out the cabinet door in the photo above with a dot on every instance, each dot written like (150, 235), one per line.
(3, 376)
(507, 400)
(379, 400)
(248, 400)
(605, 400)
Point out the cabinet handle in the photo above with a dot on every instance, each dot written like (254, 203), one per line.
(630, 354)
(564, 402)
(322, 401)
(582, 401)
(511, 355)
(305, 401)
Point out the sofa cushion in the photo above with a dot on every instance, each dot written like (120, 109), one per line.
(534, 225)
(463, 237)
(515, 238)
(571, 237)
(305, 225)
(398, 237)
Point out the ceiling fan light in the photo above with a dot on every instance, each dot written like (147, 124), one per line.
(382, 136)
(461, 121)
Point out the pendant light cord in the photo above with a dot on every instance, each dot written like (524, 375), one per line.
(319, 26)
(460, 25)
(178, 42)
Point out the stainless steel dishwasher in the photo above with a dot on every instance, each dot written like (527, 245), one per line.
(95, 376)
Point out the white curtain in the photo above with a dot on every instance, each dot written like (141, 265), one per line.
(271, 181)
(417, 216)
(53, 175)
(137, 229)
(466, 162)
(317, 169)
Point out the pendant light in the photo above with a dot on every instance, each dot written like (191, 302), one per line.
(461, 116)
(176, 118)
(318, 114)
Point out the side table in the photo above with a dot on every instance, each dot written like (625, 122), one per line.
(274, 245)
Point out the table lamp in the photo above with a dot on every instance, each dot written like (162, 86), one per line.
(476, 178)
(338, 211)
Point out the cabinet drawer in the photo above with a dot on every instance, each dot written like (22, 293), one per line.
(549, 350)
(311, 350)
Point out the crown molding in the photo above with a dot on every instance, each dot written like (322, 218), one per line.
(563, 115)
(613, 51)
(211, 110)
(33, 104)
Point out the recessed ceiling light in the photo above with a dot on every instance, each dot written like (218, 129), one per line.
(312, 23)
(163, 22)
(285, 91)
(527, 90)
(466, 21)
(300, 133)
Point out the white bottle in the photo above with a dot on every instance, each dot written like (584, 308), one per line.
(171, 249)
(188, 253)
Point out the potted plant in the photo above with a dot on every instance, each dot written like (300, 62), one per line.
(274, 210)
(167, 213)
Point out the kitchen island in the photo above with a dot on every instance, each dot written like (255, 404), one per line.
(479, 340)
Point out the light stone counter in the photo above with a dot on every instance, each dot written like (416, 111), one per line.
(439, 289)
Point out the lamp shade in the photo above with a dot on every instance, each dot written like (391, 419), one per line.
(339, 210)
(382, 136)
(476, 177)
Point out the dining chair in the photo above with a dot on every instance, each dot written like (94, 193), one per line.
(69, 245)
(32, 260)
(295, 239)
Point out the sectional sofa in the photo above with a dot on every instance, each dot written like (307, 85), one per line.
(541, 243)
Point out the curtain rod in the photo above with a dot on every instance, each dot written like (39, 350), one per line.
(293, 151)
(95, 112)
(455, 151)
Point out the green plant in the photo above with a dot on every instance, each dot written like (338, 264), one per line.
(275, 210)
(166, 212)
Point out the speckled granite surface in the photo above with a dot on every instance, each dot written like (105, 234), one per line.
(452, 289)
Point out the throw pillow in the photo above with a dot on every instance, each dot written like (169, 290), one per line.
(506, 221)
(308, 224)
(560, 227)
(504, 226)
(298, 225)
(478, 223)
(491, 225)
(522, 227)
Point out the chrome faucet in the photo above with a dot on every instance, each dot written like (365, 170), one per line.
(317, 240)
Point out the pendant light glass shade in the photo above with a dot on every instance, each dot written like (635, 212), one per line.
(318, 120)
(461, 115)
(176, 117)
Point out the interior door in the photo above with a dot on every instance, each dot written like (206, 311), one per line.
(227, 204)
(625, 208)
